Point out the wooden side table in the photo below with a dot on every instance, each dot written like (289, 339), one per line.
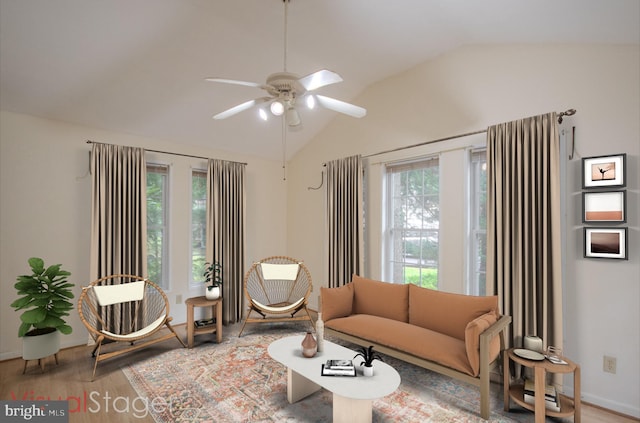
(216, 307)
(568, 406)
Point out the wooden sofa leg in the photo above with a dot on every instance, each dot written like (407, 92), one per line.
(485, 398)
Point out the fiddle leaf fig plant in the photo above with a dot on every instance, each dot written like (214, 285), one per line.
(45, 295)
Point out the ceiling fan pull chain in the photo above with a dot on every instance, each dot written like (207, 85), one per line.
(286, 8)
(284, 148)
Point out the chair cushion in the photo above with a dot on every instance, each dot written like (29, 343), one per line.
(381, 299)
(336, 302)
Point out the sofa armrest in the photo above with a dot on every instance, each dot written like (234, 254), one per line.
(486, 337)
(495, 329)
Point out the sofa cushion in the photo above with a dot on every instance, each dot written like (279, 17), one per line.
(472, 340)
(446, 312)
(423, 343)
(336, 302)
(381, 299)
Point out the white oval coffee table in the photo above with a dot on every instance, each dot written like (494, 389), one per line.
(352, 396)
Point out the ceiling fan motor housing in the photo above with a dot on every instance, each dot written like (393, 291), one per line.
(285, 85)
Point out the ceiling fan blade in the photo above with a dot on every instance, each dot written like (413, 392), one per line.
(241, 107)
(341, 106)
(235, 82)
(319, 79)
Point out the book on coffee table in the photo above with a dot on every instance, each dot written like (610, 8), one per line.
(338, 368)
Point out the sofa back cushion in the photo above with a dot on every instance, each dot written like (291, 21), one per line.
(336, 302)
(446, 312)
(381, 299)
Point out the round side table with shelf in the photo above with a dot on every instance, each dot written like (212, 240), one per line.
(568, 406)
(216, 327)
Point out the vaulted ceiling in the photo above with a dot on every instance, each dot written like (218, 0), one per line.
(139, 66)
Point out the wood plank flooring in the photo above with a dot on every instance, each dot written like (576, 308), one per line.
(94, 402)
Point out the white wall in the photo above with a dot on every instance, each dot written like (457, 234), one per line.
(477, 86)
(45, 204)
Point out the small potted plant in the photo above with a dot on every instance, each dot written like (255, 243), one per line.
(368, 355)
(45, 296)
(213, 279)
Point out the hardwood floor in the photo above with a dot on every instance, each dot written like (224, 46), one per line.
(105, 399)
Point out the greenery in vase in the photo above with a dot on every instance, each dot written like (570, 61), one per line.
(213, 274)
(45, 298)
(368, 355)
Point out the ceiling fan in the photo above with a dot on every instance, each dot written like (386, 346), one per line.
(287, 91)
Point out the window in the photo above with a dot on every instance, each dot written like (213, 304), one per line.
(198, 224)
(413, 222)
(158, 224)
(477, 224)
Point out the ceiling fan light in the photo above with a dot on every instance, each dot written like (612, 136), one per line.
(263, 114)
(293, 118)
(277, 108)
(311, 102)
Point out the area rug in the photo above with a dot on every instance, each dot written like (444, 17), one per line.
(237, 381)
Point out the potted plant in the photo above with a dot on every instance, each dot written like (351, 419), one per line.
(213, 279)
(368, 355)
(45, 296)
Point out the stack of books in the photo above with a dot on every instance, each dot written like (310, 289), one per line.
(550, 395)
(204, 322)
(338, 368)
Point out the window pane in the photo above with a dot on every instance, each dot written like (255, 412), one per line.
(413, 223)
(198, 224)
(157, 242)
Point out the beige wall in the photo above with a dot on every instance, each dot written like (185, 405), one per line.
(45, 200)
(477, 86)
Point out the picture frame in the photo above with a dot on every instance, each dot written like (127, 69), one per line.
(604, 207)
(604, 171)
(609, 243)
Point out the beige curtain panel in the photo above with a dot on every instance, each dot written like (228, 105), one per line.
(523, 226)
(345, 219)
(118, 218)
(226, 223)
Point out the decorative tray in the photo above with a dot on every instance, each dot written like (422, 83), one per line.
(528, 354)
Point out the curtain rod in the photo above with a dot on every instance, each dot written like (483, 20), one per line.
(168, 152)
(569, 112)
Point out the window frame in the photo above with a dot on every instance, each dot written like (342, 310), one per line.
(192, 280)
(389, 237)
(476, 275)
(164, 169)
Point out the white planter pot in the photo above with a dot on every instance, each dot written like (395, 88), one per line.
(212, 292)
(40, 346)
(367, 371)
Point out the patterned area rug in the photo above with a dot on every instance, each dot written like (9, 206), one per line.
(237, 381)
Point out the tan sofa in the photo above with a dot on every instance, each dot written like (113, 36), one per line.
(453, 334)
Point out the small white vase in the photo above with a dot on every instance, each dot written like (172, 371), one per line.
(367, 370)
(212, 292)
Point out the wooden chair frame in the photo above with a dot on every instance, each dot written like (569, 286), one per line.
(279, 297)
(139, 300)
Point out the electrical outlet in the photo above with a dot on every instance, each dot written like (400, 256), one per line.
(179, 299)
(609, 364)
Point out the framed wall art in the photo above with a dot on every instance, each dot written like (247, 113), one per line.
(605, 243)
(609, 206)
(604, 171)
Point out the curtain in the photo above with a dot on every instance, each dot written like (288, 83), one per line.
(345, 219)
(226, 214)
(523, 226)
(118, 218)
